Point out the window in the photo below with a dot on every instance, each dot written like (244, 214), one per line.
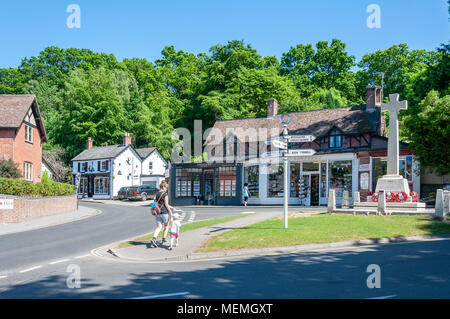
(379, 168)
(83, 188)
(101, 185)
(84, 166)
(323, 180)
(335, 141)
(187, 182)
(295, 179)
(340, 177)
(275, 181)
(150, 165)
(28, 171)
(105, 165)
(28, 134)
(251, 176)
(227, 181)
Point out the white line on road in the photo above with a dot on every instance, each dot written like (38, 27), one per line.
(30, 269)
(84, 256)
(162, 296)
(3, 277)
(58, 261)
(383, 297)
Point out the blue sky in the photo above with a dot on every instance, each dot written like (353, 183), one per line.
(141, 29)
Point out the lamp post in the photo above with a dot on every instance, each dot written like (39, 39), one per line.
(285, 119)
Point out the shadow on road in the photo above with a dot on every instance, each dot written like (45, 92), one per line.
(408, 270)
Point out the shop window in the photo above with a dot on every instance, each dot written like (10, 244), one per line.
(101, 185)
(187, 180)
(251, 176)
(83, 188)
(340, 177)
(379, 168)
(227, 181)
(275, 181)
(323, 180)
(295, 180)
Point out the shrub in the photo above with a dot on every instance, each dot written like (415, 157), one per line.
(8, 169)
(47, 187)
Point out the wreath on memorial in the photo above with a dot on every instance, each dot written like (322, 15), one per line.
(414, 196)
(391, 197)
(401, 197)
(375, 197)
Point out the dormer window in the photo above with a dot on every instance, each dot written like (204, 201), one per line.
(335, 141)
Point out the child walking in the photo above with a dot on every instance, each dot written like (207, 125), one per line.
(175, 230)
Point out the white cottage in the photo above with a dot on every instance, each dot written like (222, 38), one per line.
(154, 166)
(99, 172)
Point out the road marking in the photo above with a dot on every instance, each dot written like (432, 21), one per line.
(84, 256)
(30, 269)
(58, 261)
(383, 297)
(248, 213)
(162, 296)
(3, 277)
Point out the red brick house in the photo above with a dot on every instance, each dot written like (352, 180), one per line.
(22, 133)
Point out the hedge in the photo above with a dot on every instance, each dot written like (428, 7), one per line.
(18, 187)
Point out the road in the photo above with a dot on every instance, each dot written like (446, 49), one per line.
(44, 268)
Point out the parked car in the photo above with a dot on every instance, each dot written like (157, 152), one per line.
(123, 193)
(142, 192)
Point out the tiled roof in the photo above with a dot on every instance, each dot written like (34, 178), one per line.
(350, 120)
(144, 152)
(103, 152)
(13, 109)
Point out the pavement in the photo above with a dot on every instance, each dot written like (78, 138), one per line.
(48, 221)
(192, 240)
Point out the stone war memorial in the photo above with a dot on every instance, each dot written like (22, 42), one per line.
(392, 193)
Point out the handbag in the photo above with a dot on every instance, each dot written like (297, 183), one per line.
(155, 207)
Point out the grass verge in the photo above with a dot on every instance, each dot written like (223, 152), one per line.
(184, 227)
(324, 228)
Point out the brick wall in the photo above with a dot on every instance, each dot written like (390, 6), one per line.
(6, 143)
(26, 208)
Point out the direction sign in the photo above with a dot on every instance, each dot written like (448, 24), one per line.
(306, 152)
(302, 138)
(279, 144)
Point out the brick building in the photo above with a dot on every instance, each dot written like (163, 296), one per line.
(22, 133)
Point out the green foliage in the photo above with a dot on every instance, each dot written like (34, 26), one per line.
(85, 94)
(47, 187)
(9, 169)
(429, 132)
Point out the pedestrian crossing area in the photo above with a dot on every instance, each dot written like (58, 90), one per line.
(186, 216)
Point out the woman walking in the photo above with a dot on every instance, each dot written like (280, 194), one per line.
(165, 216)
(246, 194)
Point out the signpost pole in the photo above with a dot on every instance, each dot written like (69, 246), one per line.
(285, 171)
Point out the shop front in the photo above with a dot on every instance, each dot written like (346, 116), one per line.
(206, 184)
(309, 178)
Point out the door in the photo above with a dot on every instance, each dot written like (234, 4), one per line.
(209, 186)
(314, 190)
(90, 185)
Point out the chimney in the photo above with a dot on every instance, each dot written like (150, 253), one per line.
(89, 143)
(126, 139)
(374, 96)
(272, 108)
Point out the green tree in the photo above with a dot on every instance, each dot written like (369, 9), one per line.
(429, 132)
(9, 169)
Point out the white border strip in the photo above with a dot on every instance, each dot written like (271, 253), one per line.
(30, 269)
